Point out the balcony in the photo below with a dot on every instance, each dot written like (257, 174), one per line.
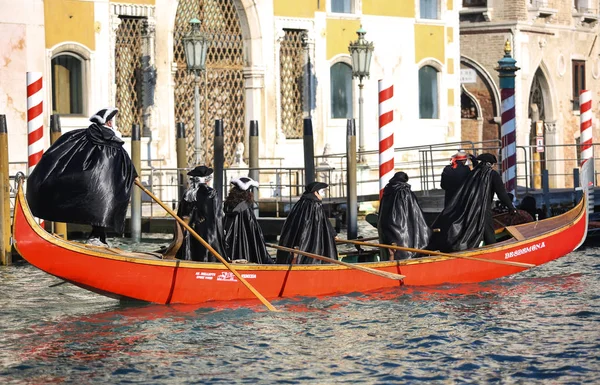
(541, 9)
(474, 11)
(586, 16)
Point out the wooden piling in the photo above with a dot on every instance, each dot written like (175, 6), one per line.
(351, 200)
(58, 228)
(136, 194)
(182, 162)
(219, 162)
(5, 226)
(309, 152)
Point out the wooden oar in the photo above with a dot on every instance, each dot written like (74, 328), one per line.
(511, 263)
(384, 274)
(209, 247)
(362, 239)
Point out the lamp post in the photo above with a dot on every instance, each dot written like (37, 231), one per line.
(361, 51)
(195, 44)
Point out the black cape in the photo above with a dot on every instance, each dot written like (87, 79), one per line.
(85, 177)
(243, 236)
(452, 179)
(308, 228)
(401, 220)
(206, 218)
(463, 220)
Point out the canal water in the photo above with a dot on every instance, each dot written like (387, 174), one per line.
(539, 326)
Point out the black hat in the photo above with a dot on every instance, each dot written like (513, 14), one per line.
(400, 176)
(201, 171)
(104, 115)
(487, 157)
(244, 183)
(315, 186)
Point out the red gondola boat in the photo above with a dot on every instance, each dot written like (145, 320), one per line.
(136, 275)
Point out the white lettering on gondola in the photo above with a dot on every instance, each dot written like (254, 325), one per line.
(524, 250)
(203, 275)
(227, 276)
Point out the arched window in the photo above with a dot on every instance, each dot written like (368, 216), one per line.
(428, 93)
(341, 91)
(67, 84)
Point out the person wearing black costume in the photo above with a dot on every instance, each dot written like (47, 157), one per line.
(85, 177)
(308, 228)
(467, 219)
(243, 237)
(201, 205)
(454, 175)
(401, 220)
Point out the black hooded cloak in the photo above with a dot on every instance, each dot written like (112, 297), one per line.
(308, 228)
(206, 218)
(401, 220)
(463, 222)
(243, 236)
(85, 177)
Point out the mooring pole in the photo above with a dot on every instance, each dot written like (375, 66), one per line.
(59, 228)
(219, 150)
(136, 194)
(309, 152)
(546, 191)
(507, 72)
(181, 159)
(351, 200)
(253, 157)
(5, 246)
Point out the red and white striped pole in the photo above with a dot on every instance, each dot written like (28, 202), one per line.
(507, 69)
(35, 119)
(586, 142)
(386, 134)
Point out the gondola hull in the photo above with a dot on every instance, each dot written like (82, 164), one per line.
(121, 274)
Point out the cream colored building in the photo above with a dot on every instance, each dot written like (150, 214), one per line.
(273, 61)
(555, 44)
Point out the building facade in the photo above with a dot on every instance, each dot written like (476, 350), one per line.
(273, 61)
(555, 45)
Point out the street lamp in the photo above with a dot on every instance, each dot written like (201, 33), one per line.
(361, 51)
(195, 44)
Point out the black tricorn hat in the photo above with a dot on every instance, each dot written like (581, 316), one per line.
(244, 183)
(104, 115)
(315, 186)
(201, 171)
(487, 157)
(400, 176)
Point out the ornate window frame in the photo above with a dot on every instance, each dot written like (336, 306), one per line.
(87, 58)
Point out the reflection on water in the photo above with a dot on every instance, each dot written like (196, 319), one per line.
(539, 326)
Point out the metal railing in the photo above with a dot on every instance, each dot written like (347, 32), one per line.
(281, 186)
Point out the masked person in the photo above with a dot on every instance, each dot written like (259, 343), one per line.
(308, 228)
(468, 220)
(85, 177)
(454, 175)
(243, 237)
(401, 220)
(201, 207)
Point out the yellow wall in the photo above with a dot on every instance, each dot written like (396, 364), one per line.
(69, 20)
(141, 2)
(399, 8)
(340, 32)
(451, 97)
(429, 42)
(298, 8)
(450, 5)
(450, 66)
(450, 33)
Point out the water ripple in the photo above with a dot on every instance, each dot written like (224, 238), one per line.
(537, 326)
